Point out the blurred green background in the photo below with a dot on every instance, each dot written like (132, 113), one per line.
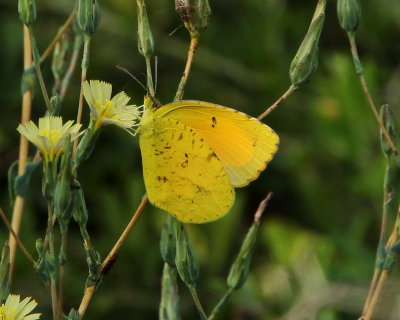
(316, 247)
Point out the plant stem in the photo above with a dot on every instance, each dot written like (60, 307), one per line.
(150, 84)
(111, 257)
(62, 274)
(277, 102)
(85, 65)
(196, 300)
(72, 65)
(58, 36)
(23, 155)
(36, 59)
(194, 42)
(220, 304)
(370, 304)
(360, 72)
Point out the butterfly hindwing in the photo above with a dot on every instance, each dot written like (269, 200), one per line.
(182, 173)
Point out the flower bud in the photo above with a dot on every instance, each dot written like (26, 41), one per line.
(240, 267)
(201, 14)
(186, 259)
(80, 212)
(182, 7)
(88, 16)
(305, 62)
(145, 36)
(387, 119)
(349, 13)
(168, 241)
(27, 11)
(55, 105)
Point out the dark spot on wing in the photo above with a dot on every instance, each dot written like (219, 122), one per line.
(214, 122)
(211, 155)
(185, 163)
(180, 136)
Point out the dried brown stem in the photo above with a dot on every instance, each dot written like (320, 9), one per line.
(277, 103)
(111, 257)
(194, 42)
(23, 155)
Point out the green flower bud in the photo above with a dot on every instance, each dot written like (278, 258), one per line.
(80, 212)
(27, 11)
(305, 62)
(145, 37)
(88, 16)
(349, 13)
(387, 119)
(240, 267)
(63, 195)
(186, 259)
(168, 241)
(59, 61)
(55, 105)
(201, 14)
(39, 246)
(169, 305)
(4, 273)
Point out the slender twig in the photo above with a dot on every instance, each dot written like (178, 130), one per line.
(16, 238)
(72, 65)
(364, 85)
(277, 102)
(111, 257)
(58, 36)
(53, 284)
(194, 42)
(23, 155)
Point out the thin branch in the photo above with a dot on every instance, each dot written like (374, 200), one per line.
(16, 238)
(364, 85)
(111, 257)
(58, 36)
(277, 103)
(194, 42)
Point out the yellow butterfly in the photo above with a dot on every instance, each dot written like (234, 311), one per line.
(194, 153)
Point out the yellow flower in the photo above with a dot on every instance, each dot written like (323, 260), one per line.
(14, 309)
(49, 137)
(106, 110)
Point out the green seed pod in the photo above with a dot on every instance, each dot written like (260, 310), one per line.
(27, 11)
(186, 259)
(4, 273)
(305, 61)
(88, 16)
(240, 267)
(145, 36)
(349, 14)
(387, 119)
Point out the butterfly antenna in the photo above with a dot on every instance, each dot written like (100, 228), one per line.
(155, 74)
(132, 76)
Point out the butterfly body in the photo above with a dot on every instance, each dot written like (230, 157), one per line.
(194, 154)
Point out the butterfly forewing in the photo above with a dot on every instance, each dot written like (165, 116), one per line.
(182, 173)
(243, 144)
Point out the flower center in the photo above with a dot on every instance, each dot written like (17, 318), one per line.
(52, 135)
